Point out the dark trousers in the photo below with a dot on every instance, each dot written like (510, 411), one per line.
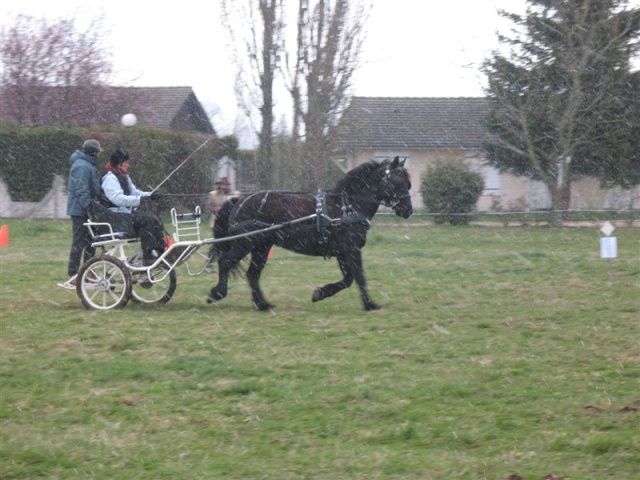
(80, 244)
(149, 229)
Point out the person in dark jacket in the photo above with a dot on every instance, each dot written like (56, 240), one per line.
(83, 187)
(120, 195)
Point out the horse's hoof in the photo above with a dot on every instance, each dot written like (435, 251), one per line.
(317, 295)
(214, 297)
(265, 307)
(372, 306)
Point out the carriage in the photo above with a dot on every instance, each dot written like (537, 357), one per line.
(117, 274)
(332, 223)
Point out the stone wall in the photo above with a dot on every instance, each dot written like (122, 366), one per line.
(53, 205)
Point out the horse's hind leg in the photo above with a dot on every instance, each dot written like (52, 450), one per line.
(218, 292)
(259, 256)
(331, 289)
(226, 264)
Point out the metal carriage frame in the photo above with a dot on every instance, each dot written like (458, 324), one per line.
(116, 274)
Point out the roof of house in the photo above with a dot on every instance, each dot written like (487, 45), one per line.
(408, 122)
(162, 108)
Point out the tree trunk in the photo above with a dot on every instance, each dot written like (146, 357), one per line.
(314, 160)
(560, 203)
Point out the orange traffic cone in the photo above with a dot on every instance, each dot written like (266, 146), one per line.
(4, 236)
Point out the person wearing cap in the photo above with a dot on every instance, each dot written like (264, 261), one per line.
(217, 197)
(120, 195)
(215, 200)
(83, 187)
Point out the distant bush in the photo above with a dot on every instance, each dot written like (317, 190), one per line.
(30, 157)
(451, 191)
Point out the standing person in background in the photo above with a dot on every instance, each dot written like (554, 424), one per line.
(120, 195)
(216, 199)
(83, 187)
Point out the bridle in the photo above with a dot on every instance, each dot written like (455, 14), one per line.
(395, 200)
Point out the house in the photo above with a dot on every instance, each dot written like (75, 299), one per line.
(430, 130)
(160, 108)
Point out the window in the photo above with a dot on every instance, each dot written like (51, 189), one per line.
(490, 175)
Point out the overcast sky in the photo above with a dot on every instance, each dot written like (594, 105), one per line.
(425, 48)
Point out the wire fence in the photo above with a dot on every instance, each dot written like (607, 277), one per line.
(629, 217)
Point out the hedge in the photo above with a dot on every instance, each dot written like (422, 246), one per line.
(30, 157)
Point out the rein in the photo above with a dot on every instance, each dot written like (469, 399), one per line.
(268, 228)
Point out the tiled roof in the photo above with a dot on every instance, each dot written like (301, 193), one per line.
(163, 108)
(406, 122)
(159, 107)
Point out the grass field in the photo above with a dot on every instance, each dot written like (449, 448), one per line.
(498, 352)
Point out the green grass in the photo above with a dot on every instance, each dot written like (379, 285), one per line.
(498, 351)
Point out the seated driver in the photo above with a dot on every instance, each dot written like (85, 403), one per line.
(120, 195)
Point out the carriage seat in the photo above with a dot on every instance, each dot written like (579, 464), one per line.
(120, 226)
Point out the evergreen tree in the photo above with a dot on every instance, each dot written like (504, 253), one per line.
(564, 102)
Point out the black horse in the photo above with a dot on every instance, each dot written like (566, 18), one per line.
(333, 223)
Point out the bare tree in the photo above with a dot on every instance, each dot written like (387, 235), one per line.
(319, 70)
(38, 54)
(330, 34)
(255, 29)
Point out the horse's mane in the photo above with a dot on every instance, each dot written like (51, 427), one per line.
(358, 174)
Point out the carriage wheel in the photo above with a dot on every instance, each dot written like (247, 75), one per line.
(104, 283)
(147, 288)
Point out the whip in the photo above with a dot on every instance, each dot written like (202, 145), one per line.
(181, 164)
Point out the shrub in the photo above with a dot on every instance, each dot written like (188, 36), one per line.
(450, 191)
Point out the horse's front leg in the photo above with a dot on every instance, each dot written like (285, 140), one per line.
(259, 257)
(361, 281)
(331, 289)
(355, 262)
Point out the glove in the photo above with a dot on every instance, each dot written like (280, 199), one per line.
(145, 201)
(157, 196)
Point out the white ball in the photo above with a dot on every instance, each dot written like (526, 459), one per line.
(128, 120)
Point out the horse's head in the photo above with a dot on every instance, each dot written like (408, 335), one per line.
(395, 188)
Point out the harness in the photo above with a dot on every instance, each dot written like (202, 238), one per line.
(251, 224)
(324, 221)
(321, 218)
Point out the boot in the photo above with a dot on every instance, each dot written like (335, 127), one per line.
(149, 257)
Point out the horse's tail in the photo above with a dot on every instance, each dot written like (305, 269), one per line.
(221, 226)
